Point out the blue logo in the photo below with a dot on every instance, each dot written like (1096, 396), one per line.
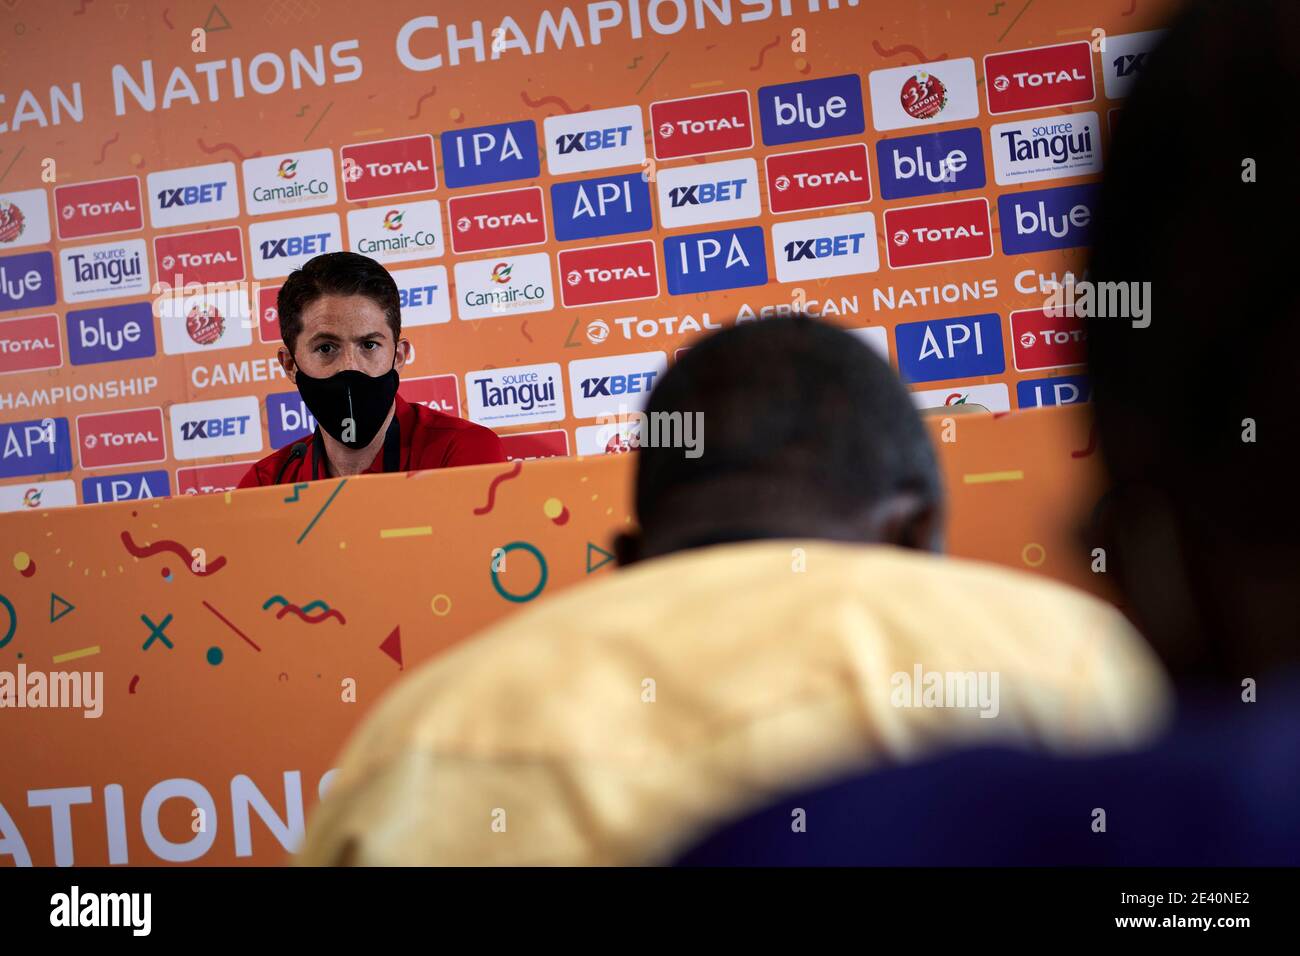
(605, 206)
(941, 349)
(946, 162)
(1064, 390)
(287, 418)
(127, 487)
(1046, 219)
(811, 109)
(110, 333)
(490, 154)
(707, 261)
(26, 281)
(33, 448)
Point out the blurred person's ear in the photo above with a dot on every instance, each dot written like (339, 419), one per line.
(906, 521)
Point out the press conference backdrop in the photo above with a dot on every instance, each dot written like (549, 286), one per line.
(566, 194)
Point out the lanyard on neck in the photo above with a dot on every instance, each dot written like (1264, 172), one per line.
(392, 452)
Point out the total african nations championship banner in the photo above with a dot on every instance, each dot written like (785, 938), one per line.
(566, 195)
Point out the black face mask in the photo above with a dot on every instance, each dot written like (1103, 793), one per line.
(365, 399)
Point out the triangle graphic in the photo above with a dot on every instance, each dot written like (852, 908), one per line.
(392, 645)
(598, 550)
(224, 23)
(55, 598)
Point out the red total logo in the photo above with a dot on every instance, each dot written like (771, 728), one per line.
(502, 220)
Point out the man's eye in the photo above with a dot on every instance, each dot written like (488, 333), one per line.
(324, 347)
(370, 346)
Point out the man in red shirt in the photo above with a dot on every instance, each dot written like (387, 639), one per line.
(341, 322)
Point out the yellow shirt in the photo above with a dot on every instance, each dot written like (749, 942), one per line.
(621, 719)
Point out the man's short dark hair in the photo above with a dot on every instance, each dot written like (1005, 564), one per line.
(796, 406)
(336, 273)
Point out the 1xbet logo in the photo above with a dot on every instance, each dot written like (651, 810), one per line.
(825, 247)
(182, 197)
(1040, 77)
(598, 139)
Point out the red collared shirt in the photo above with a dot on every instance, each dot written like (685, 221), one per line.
(429, 439)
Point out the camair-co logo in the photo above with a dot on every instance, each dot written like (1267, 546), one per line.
(289, 182)
(501, 273)
(393, 220)
(288, 169)
(398, 233)
(491, 287)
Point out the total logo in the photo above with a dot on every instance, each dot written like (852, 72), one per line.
(111, 270)
(26, 281)
(940, 349)
(412, 230)
(130, 486)
(818, 178)
(929, 163)
(596, 139)
(99, 208)
(206, 321)
(111, 333)
(709, 192)
(390, 167)
(994, 397)
(29, 496)
(941, 232)
(214, 256)
(108, 439)
(29, 344)
(494, 287)
(524, 446)
(183, 197)
(1040, 77)
(607, 206)
(501, 220)
(811, 109)
(695, 125)
(423, 295)
(227, 426)
(923, 95)
(283, 245)
(1040, 341)
(439, 392)
(211, 479)
(1064, 390)
(490, 154)
(24, 219)
(618, 273)
(289, 182)
(1038, 220)
(1125, 57)
(709, 261)
(34, 447)
(599, 386)
(520, 395)
(825, 247)
(1055, 148)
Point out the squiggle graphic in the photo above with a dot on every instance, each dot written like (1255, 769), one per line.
(174, 547)
(492, 488)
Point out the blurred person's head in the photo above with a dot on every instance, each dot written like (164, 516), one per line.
(807, 433)
(1201, 525)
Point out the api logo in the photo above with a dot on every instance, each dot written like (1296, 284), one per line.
(708, 261)
(597, 139)
(24, 219)
(1037, 78)
(817, 178)
(109, 439)
(829, 246)
(947, 162)
(131, 486)
(282, 245)
(503, 220)
(423, 295)
(398, 232)
(100, 208)
(711, 192)
(618, 273)
(227, 426)
(1065, 390)
(34, 447)
(215, 255)
(26, 281)
(1046, 219)
(608, 206)
(811, 109)
(111, 333)
(713, 123)
(941, 232)
(1125, 57)
(940, 349)
(287, 418)
(390, 167)
(613, 383)
(30, 343)
(183, 197)
(490, 154)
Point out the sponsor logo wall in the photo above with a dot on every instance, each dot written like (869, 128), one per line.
(560, 224)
